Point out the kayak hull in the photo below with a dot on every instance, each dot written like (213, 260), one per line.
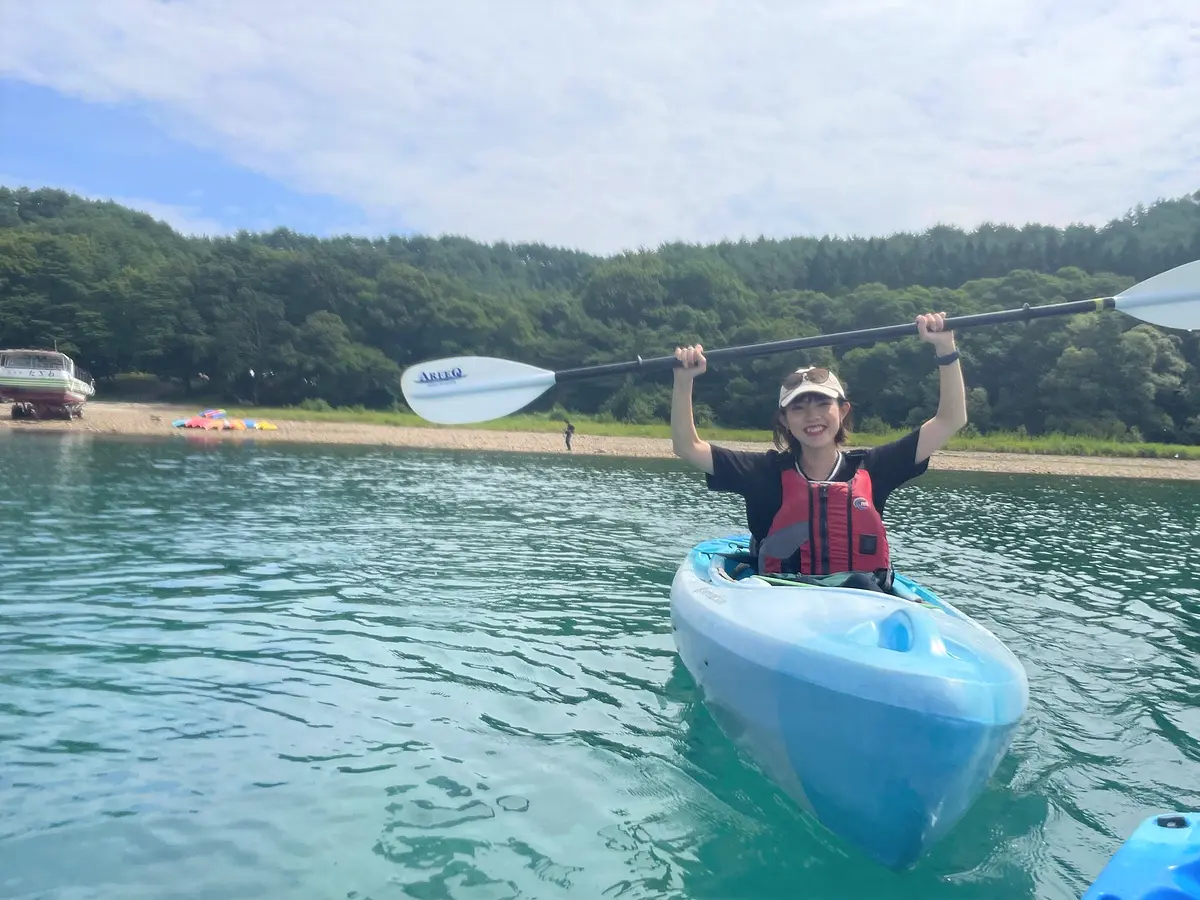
(1160, 861)
(883, 716)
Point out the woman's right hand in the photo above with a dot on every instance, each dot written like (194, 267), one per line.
(684, 440)
(693, 361)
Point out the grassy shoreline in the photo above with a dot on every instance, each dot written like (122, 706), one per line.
(995, 442)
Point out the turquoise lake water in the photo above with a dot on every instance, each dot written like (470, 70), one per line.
(331, 672)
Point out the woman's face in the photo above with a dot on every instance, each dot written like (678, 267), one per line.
(814, 419)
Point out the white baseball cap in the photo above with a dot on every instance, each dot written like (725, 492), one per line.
(810, 380)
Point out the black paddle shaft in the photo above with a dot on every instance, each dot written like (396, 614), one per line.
(863, 336)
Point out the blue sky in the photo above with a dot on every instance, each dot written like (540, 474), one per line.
(604, 125)
(120, 153)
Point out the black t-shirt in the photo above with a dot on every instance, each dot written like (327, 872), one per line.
(756, 476)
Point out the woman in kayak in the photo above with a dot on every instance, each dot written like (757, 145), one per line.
(815, 510)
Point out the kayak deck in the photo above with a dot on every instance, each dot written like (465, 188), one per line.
(882, 714)
(1160, 861)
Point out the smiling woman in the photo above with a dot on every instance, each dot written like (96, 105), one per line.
(812, 507)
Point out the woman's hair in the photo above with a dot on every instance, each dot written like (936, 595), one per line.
(783, 438)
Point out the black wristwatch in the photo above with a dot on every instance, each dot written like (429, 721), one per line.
(947, 359)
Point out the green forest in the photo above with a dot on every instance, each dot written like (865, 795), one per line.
(336, 320)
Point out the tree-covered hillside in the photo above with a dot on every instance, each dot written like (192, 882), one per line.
(339, 319)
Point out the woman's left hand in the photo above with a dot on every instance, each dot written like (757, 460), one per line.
(931, 328)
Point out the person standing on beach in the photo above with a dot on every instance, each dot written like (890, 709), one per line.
(570, 430)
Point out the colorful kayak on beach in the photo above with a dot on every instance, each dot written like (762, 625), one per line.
(218, 420)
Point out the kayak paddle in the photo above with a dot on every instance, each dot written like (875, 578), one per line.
(462, 389)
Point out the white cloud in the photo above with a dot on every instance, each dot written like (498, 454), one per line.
(186, 220)
(616, 123)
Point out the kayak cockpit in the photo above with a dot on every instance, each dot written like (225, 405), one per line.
(735, 563)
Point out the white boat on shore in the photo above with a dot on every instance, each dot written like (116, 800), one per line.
(43, 384)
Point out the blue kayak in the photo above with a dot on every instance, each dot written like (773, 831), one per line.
(1160, 861)
(884, 716)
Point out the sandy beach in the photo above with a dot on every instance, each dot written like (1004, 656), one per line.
(150, 419)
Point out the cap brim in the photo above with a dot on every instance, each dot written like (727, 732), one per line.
(823, 390)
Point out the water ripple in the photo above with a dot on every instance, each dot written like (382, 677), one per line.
(355, 673)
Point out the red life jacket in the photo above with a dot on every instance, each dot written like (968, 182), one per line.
(844, 533)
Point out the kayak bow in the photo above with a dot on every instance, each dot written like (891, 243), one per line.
(884, 716)
(1160, 861)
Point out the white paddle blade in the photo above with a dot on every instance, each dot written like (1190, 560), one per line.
(1170, 299)
(463, 389)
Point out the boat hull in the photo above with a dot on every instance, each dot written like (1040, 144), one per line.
(13, 392)
(884, 717)
(43, 383)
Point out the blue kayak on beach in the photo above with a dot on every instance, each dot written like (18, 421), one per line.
(1160, 861)
(883, 715)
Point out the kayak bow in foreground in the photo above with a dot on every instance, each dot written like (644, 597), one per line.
(884, 716)
(1160, 861)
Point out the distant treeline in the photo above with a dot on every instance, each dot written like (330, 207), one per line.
(338, 319)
